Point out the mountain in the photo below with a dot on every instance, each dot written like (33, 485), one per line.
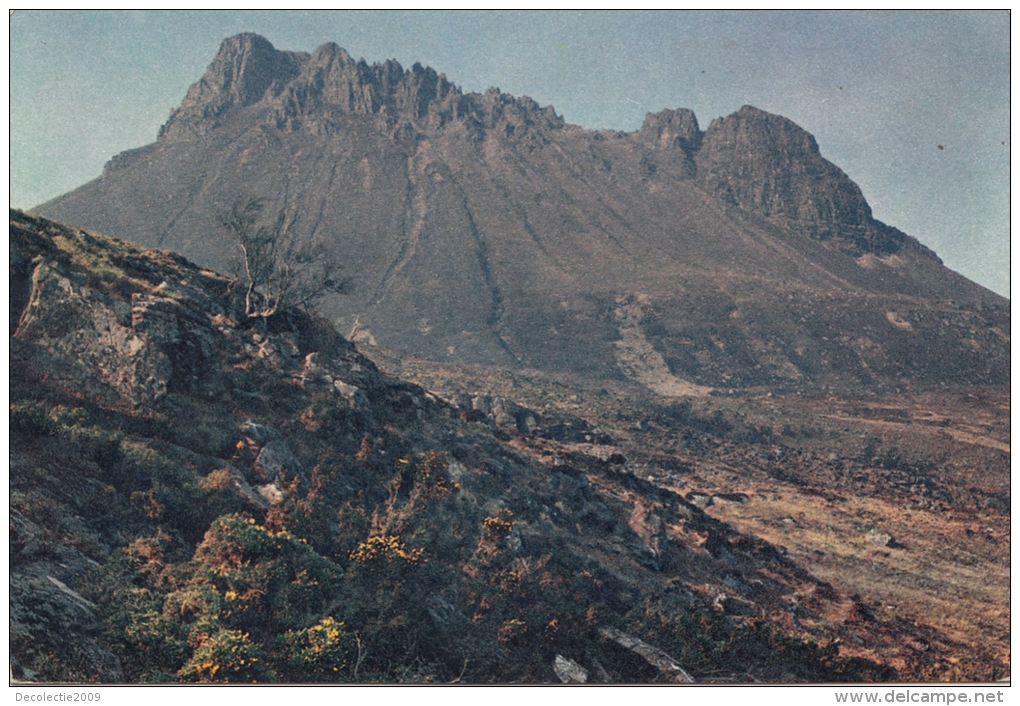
(484, 229)
(608, 406)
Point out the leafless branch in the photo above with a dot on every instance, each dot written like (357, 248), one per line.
(277, 272)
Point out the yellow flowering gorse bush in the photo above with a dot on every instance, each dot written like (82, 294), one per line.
(386, 546)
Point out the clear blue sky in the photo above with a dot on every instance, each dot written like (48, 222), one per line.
(914, 106)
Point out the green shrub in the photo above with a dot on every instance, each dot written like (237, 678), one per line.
(31, 418)
(268, 581)
(430, 474)
(99, 446)
(240, 610)
(227, 656)
(320, 653)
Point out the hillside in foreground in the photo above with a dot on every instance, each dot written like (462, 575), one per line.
(197, 496)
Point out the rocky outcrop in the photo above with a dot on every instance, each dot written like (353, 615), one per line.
(568, 671)
(141, 349)
(187, 340)
(332, 83)
(504, 413)
(669, 667)
(647, 525)
(768, 165)
(673, 128)
(90, 342)
(49, 619)
(275, 464)
(329, 372)
(312, 92)
(246, 67)
(152, 333)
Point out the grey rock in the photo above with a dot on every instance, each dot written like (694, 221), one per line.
(84, 344)
(355, 397)
(483, 404)
(529, 424)
(276, 461)
(880, 538)
(78, 600)
(271, 492)
(673, 128)
(505, 412)
(260, 433)
(188, 341)
(324, 371)
(443, 613)
(669, 667)
(115, 351)
(568, 671)
(248, 494)
(701, 500)
(280, 351)
(49, 620)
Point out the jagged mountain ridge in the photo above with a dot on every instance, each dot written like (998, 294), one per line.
(485, 229)
(306, 91)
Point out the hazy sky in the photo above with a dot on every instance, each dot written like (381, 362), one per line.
(913, 106)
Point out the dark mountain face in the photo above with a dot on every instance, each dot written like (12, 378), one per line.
(482, 228)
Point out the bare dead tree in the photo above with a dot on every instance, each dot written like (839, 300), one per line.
(277, 272)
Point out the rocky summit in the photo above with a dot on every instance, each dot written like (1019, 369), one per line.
(482, 228)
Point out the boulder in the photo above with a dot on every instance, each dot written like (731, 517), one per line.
(698, 499)
(880, 538)
(275, 460)
(272, 493)
(259, 433)
(647, 525)
(669, 667)
(114, 348)
(505, 413)
(354, 396)
(568, 671)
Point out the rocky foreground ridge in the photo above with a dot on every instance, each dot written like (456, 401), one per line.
(200, 497)
(483, 228)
